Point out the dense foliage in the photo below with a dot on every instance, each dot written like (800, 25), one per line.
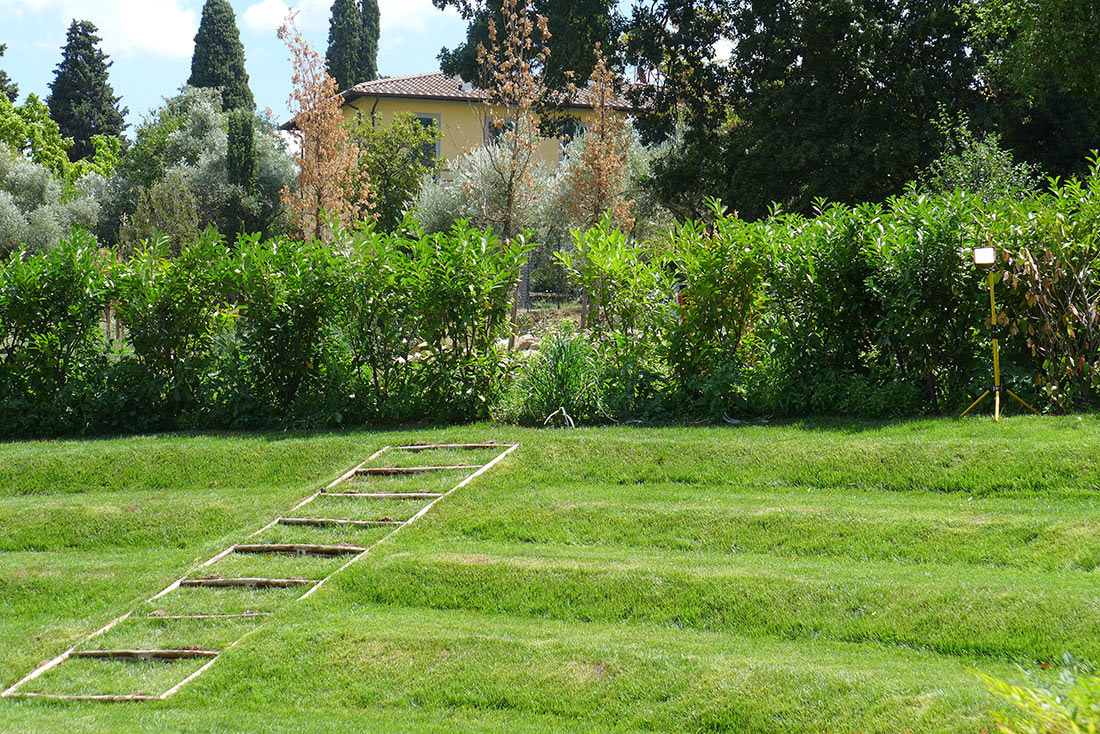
(371, 327)
(875, 311)
(230, 170)
(397, 159)
(345, 30)
(1068, 704)
(81, 100)
(218, 59)
(8, 88)
(576, 29)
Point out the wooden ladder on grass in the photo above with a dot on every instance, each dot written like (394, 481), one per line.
(293, 518)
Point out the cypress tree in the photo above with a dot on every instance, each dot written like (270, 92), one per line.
(218, 61)
(241, 153)
(81, 100)
(8, 88)
(243, 211)
(344, 40)
(368, 43)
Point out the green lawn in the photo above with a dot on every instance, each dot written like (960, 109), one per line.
(841, 577)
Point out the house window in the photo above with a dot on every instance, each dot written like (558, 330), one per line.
(431, 151)
(570, 131)
(497, 126)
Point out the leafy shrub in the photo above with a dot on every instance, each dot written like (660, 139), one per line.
(50, 306)
(1070, 704)
(627, 287)
(285, 294)
(460, 286)
(565, 376)
(720, 266)
(928, 290)
(171, 308)
(977, 165)
(375, 313)
(1052, 245)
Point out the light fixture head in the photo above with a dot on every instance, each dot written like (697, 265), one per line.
(985, 257)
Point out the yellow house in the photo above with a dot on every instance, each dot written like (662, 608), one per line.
(457, 107)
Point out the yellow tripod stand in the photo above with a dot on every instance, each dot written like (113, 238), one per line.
(997, 388)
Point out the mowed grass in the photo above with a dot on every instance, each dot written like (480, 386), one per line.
(800, 578)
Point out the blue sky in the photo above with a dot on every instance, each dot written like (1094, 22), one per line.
(150, 42)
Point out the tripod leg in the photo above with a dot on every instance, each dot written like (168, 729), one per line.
(1021, 401)
(974, 404)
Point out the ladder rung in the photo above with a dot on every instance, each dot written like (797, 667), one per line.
(170, 654)
(392, 470)
(256, 583)
(386, 495)
(86, 696)
(461, 446)
(335, 521)
(298, 548)
(242, 615)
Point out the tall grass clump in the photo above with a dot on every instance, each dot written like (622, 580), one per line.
(562, 381)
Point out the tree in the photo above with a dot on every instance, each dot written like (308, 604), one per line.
(28, 129)
(81, 100)
(167, 211)
(835, 99)
(218, 60)
(37, 209)
(597, 182)
(368, 42)
(578, 27)
(345, 32)
(190, 134)
(514, 67)
(329, 180)
(241, 155)
(8, 88)
(396, 159)
(1042, 66)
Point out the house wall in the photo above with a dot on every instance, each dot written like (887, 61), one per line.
(462, 123)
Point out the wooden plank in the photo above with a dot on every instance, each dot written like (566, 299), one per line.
(398, 470)
(307, 549)
(454, 446)
(169, 654)
(256, 583)
(86, 696)
(423, 511)
(386, 495)
(242, 615)
(323, 521)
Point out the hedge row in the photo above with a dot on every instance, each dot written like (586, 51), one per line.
(874, 310)
(266, 333)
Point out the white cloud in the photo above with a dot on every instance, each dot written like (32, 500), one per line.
(267, 15)
(128, 27)
(411, 15)
(397, 15)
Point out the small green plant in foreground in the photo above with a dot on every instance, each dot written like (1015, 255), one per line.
(1068, 705)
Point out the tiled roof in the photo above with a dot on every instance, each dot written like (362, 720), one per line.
(438, 85)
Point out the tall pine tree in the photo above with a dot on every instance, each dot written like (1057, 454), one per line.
(81, 100)
(344, 42)
(8, 88)
(368, 42)
(218, 62)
